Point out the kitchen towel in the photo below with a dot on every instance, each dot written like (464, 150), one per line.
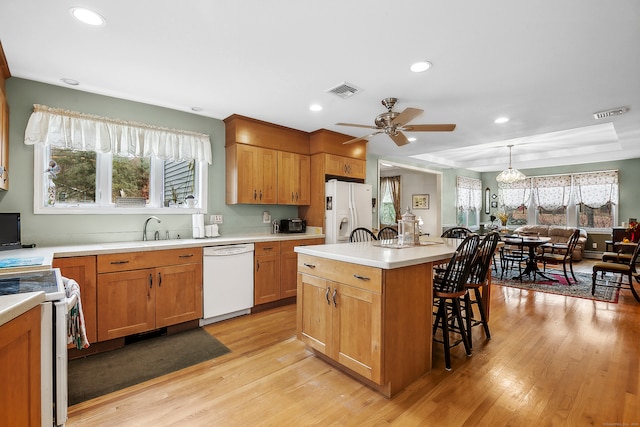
(76, 330)
(198, 226)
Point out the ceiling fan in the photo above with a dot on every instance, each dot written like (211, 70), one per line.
(393, 123)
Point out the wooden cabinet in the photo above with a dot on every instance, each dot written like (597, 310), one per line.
(275, 269)
(293, 178)
(289, 265)
(142, 291)
(251, 174)
(266, 272)
(345, 167)
(20, 370)
(375, 323)
(83, 270)
(4, 131)
(344, 320)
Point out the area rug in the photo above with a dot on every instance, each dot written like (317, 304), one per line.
(582, 289)
(103, 373)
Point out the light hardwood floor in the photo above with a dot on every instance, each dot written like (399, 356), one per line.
(552, 361)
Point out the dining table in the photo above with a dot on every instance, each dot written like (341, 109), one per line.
(532, 243)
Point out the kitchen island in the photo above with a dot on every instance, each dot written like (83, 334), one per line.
(367, 309)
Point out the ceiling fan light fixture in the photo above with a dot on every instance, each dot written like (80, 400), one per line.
(420, 66)
(510, 175)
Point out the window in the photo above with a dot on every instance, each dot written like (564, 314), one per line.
(389, 200)
(586, 200)
(95, 164)
(76, 180)
(468, 200)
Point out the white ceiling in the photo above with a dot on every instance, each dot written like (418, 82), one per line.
(546, 64)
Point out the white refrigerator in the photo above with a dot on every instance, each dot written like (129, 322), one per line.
(347, 206)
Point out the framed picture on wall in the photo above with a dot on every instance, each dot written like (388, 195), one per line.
(420, 201)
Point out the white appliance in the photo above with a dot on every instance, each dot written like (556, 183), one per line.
(348, 206)
(227, 282)
(55, 312)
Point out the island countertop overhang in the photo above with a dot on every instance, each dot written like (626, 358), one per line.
(373, 255)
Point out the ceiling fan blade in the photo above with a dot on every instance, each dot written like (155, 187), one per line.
(399, 138)
(430, 128)
(406, 116)
(361, 138)
(357, 126)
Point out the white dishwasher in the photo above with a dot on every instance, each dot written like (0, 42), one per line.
(227, 275)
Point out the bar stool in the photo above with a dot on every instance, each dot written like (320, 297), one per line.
(448, 291)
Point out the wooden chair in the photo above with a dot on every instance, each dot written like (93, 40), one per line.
(628, 270)
(456, 233)
(448, 291)
(387, 233)
(362, 234)
(512, 255)
(557, 258)
(477, 282)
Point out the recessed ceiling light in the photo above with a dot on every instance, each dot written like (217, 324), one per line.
(315, 107)
(501, 120)
(88, 17)
(70, 82)
(411, 139)
(196, 109)
(421, 66)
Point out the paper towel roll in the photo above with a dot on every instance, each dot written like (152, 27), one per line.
(198, 225)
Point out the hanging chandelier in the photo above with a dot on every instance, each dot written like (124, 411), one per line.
(510, 175)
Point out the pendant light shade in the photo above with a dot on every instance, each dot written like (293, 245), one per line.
(510, 175)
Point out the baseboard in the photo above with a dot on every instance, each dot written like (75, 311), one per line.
(592, 254)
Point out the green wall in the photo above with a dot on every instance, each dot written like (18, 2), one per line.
(46, 230)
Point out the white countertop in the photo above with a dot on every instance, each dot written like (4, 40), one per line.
(12, 306)
(372, 255)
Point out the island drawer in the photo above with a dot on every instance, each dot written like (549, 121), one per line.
(361, 276)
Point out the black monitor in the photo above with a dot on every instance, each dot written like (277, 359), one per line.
(9, 231)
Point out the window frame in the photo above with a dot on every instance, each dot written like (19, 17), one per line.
(103, 204)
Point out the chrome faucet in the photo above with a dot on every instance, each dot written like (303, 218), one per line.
(144, 230)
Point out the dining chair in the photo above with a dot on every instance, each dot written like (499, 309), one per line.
(478, 280)
(362, 234)
(628, 270)
(513, 254)
(387, 233)
(448, 292)
(565, 258)
(456, 233)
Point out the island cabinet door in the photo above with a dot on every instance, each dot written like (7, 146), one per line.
(357, 330)
(314, 312)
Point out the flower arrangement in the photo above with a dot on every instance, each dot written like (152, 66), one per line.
(503, 217)
(633, 226)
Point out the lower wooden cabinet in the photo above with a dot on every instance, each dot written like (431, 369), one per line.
(140, 300)
(275, 269)
(20, 370)
(375, 323)
(83, 270)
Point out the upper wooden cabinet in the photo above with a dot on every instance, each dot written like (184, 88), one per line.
(252, 174)
(345, 167)
(4, 123)
(293, 179)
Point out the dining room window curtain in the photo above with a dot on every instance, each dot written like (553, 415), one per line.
(516, 194)
(85, 132)
(468, 193)
(394, 189)
(552, 192)
(596, 189)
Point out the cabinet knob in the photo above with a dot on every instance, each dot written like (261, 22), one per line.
(326, 295)
(255, 195)
(159, 279)
(335, 292)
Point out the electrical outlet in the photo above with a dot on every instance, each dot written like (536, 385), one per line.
(217, 219)
(266, 217)
(594, 245)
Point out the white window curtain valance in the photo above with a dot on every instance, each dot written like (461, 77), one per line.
(552, 192)
(469, 193)
(596, 189)
(516, 194)
(84, 132)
